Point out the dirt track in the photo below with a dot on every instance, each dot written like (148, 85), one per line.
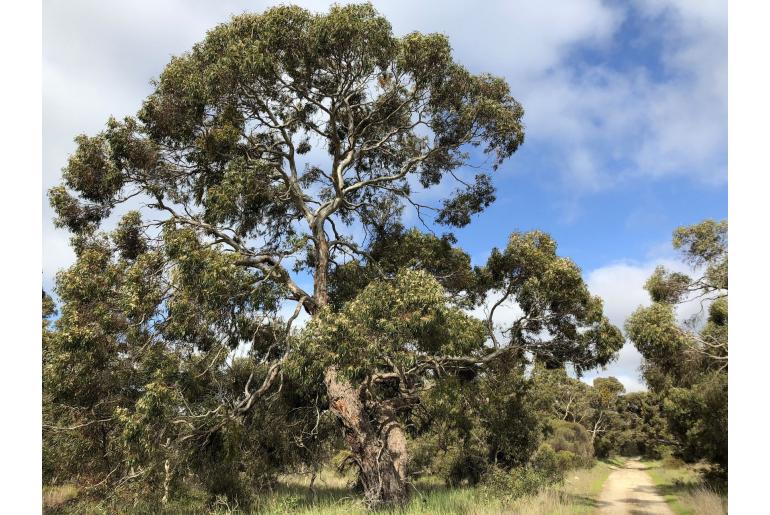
(629, 489)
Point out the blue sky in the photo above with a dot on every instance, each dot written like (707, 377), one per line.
(626, 115)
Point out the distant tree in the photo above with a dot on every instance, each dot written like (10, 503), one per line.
(687, 363)
(604, 397)
(643, 429)
(560, 396)
(237, 213)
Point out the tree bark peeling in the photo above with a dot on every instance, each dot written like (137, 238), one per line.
(379, 450)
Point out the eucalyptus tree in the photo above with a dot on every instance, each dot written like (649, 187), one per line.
(643, 430)
(604, 398)
(259, 157)
(557, 395)
(687, 363)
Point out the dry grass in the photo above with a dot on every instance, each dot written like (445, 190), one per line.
(547, 502)
(578, 495)
(589, 482)
(56, 496)
(704, 501)
(685, 491)
(333, 497)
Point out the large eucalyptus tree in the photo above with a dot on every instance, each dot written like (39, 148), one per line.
(260, 159)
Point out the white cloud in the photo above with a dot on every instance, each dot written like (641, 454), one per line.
(57, 253)
(99, 57)
(655, 126)
(621, 286)
(522, 37)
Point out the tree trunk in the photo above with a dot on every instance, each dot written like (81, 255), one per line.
(374, 437)
(378, 443)
(321, 278)
(166, 482)
(596, 428)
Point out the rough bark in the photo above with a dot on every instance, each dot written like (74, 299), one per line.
(379, 449)
(374, 436)
(395, 441)
(320, 280)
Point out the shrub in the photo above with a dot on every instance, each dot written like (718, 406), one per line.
(457, 459)
(459, 465)
(508, 485)
(466, 468)
(659, 451)
(549, 464)
(545, 468)
(672, 462)
(567, 460)
(573, 438)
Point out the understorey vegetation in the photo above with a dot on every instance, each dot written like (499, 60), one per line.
(262, 310)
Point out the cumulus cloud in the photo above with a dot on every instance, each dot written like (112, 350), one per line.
(599, 125)
(621, 286)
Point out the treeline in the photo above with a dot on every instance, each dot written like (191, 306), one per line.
(112, 407)
(131, 405)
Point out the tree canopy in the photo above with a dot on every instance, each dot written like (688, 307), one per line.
(686, 363)
(281, 151)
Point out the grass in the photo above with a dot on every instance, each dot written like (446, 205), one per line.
(684, 489)
(577, 495)
(582, 487)
(56, 496)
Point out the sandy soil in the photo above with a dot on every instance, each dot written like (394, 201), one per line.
(630, 489)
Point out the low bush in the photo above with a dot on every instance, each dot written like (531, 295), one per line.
(672, 462)
(572, 438)
(546, 468)
(568, 460)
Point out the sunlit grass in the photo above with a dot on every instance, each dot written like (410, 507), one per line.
(55, 496)
(331, 495)
(685, 491)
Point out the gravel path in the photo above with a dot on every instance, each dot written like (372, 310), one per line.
(629, 489)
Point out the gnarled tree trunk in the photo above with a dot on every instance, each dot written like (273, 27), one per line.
(374, 436)
(376, 440)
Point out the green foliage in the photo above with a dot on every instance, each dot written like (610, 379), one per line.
(657, 336)
(573, 440)
(698, 418)
(396, 248)
(644, 430)
(391, 321)
(684, 366)
(598, 420)
(704, 243)
(557, 395)
(548, 463)
(464, 426)
(128, 237)
(458, 210)
(91, 170)
(544, 471)
(170, 362)
(550, 291)
(667, 287)
(120, 398)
